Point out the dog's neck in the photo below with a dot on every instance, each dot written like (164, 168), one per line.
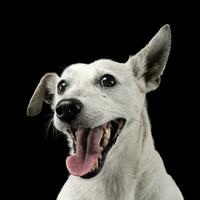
(138, 163)
(151, 167)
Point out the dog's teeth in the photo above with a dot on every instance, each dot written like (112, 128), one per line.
(106, 137)
(108, 132)
(105, 142)
(95, 166)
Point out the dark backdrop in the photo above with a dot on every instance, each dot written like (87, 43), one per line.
(40, 41)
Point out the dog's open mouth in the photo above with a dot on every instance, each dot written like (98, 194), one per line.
(91, 147)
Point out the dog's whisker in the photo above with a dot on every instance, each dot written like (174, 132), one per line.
(48, 125)
(49, 115)
(55, 131)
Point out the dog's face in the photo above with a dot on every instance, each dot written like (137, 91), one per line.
(106, 90)
(94, 102)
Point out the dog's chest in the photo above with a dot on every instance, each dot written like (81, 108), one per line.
(108, 188)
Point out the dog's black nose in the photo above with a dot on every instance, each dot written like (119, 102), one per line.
(68, 109)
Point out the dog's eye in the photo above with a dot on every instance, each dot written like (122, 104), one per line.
(61, 87)
(107, 80)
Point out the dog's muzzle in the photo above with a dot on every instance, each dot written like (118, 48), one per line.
(90, 145)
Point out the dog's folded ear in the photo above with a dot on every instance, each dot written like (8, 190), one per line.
(44, 92)
(149, 63)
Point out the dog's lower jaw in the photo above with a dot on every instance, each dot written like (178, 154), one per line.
(134, 173)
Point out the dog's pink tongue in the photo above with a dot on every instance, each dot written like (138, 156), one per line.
(87, 151)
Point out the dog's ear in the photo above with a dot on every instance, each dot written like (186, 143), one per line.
(44, 92)
(149, 63)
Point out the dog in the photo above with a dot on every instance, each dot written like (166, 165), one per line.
(102, 109)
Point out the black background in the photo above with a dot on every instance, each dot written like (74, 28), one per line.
(44, 39)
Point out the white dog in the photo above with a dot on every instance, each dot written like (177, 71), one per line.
(101, 107)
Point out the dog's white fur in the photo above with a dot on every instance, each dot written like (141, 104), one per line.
(133, 169)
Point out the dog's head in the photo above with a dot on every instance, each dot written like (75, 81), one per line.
(93, 103)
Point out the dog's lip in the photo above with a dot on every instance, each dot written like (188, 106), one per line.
(116, 126)
(72, 131)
